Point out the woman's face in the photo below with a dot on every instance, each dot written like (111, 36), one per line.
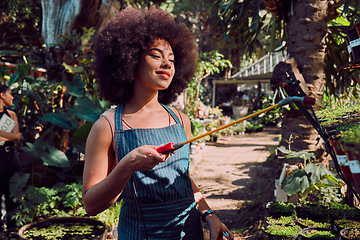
(156, 66)
(7, 97)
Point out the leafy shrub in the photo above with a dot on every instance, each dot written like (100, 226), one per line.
(40, 202)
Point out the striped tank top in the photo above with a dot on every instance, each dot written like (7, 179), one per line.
(164, 193)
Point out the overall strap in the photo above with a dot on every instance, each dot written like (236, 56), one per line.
(118, 128)
(118, 118)
(177, 120)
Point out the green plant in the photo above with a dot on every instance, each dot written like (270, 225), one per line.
(40, 202)
(197, 128)
(304, 155)
(252, 125)
(308, 179)
(347, 223)
(56, 111)
(351, 233)
(313, 211)
(339, 210)
(282, 231)
(319, 234)
(74, 231)
(311, 223)
(111, 215)
(280, 208)
(288, 220)
(209, 63)
(272, 117)
(351, 135)
(339, 114)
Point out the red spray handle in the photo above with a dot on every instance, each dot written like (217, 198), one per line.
(166, 148)
(169, 147)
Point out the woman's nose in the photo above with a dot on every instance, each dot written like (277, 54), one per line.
(166, 63)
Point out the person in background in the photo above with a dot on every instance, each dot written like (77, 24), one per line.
(144, 59)
(9, 133)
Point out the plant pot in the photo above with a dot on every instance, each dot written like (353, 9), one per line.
(350, 233)
(317, 233)
(342, 159)
(353, 154)
(312, 211)
(281, 232)
(353, 45)
(341, 224)
(63, 227)
(278, 209)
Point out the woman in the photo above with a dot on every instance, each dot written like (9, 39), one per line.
(9, 132)
(143, 61)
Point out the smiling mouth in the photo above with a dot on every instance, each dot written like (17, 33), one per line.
(164, 74)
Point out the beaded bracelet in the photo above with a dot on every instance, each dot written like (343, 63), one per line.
(206, 213)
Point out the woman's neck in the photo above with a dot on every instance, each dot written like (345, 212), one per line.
(137, 103)
(2, 106)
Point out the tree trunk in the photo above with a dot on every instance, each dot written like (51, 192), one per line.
(62, 16)
(306, 44)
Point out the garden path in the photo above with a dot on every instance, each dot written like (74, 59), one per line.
(229, 171)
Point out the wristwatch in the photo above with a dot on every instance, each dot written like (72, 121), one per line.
(206, 213)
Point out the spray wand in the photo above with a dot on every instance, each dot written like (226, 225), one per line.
(171, 147)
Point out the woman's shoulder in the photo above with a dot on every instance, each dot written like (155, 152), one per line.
(182, 116)
(11, 113)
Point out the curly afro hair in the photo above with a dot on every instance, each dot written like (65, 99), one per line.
(120, 44)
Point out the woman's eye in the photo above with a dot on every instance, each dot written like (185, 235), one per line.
(155, 56)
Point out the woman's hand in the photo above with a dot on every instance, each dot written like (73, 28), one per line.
(218, 230)
(145, 158)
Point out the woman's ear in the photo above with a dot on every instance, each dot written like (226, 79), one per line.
(2, 95)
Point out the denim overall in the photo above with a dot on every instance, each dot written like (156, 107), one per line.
(164, 193)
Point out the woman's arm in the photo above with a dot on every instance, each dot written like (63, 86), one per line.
(102, 187)
(14, 134)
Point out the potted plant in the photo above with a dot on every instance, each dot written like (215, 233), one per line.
(350, 233)
(312, 211)
(335, 120)
(281, 232)
(341, 158)
(340, 224)
(309, 179)
(351, 144)
(309, 223)
(278, 209)
(39, 207)
(64, 228)
(343, 211)
(282, 220)
(317, 233)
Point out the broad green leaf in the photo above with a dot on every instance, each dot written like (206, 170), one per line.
(73, 69)
(81, 134)
(316, 171)
(13, 78)
(75, 87)
(85, 109)
(59, 120)
(296, 182)
(55, 158)
(17, 182)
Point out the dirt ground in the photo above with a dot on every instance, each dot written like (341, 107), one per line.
(237, 179)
